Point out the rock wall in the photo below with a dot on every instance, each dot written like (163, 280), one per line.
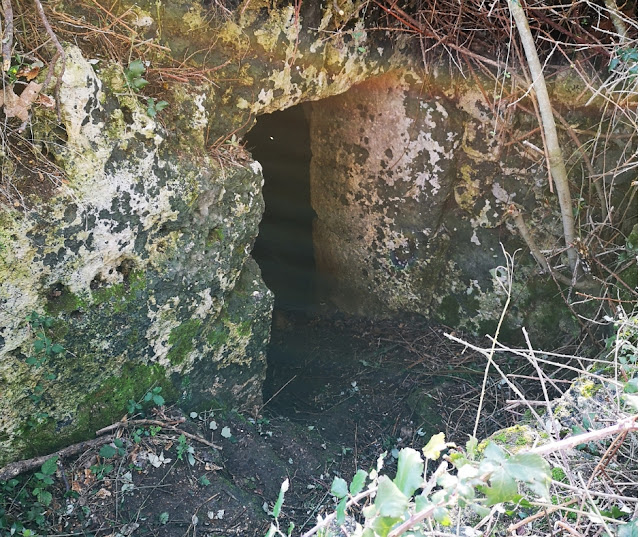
(138, 258)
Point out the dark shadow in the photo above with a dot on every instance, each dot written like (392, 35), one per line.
(284, 247)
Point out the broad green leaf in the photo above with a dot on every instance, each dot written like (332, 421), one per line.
(158, 400)
(161, 105)
(57, 348)
(283, 488)
(390, 501)
(357, 483)
(472, 447)
(441, 515)
(532, 469)
(480, 509)
(409, 474)
(340, 510)
(339, 487)
(50, 466)
(434, 446)
(503, 488)
(382, 525)
(528, 467)
(422, 502)
(629, 530)
(495, 453)
(38, 345)
(136, 68)
(107, 451)
(45, 497)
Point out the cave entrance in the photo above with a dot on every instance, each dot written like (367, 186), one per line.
(284, 247)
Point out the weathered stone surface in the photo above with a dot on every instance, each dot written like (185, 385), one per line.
(413, 189)
(142, 258)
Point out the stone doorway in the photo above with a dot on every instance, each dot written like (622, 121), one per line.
(284, 247)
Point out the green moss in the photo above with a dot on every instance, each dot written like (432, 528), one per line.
(217, 337)
(181, 340)
(121, 294)
(449, 311)
(103, 406)
(62, 302)
(588, 389)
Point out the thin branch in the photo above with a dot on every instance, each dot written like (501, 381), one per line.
(16, 468)
(7, 37)
(556, 160)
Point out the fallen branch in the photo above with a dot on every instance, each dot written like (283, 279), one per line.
(16, 468)
(627, 424)
(165, 425)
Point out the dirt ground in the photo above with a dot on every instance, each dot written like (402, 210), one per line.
(339, 392)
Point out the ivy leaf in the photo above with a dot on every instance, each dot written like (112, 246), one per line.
(533, 470)
(434, 446)
(390, 501)
(339, 487)
(45, 497)
(357, 483)
(50, 466)
(494, 453)
(409, 475)
(503, 488)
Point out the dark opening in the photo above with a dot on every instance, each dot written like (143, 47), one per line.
(284, 247)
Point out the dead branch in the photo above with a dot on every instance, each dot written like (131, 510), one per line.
(7, 38)
(19, 467)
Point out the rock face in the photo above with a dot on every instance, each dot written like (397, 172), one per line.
(413, 188)
(139, 261)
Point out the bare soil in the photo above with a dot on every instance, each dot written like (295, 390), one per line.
(339, 393)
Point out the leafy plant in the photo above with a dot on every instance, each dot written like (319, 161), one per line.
(410, 501)
(154, 395)
(274, 528)
(133, 74)
(43, 347)
(154, 107)
(183, 448)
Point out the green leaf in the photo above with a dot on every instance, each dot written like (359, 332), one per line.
(409, 474)
(158, 400)
(434, 446)
(283, 488)
(340, 510)
(57, 348)
(161, 105)
(136, 68)
(38, 345)
(382, 525)
(357, 483)
(503, 488)
(50, 466)
(163, 518)
(472, 447)
(629, 530)
(339, 487)
(532, 469)
(138, 83)
(107, 451)
(494, 453)
(45, 497)
(390, 501)
(441, 515)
